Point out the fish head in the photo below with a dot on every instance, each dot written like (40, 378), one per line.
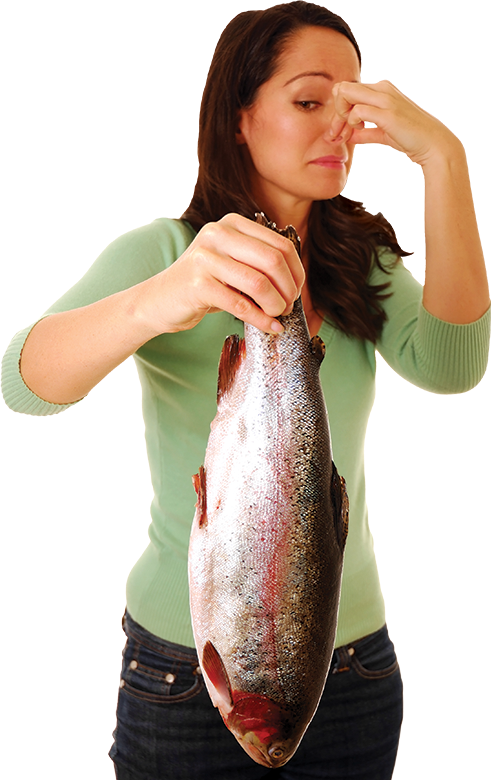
(263, 729)
(268, 732)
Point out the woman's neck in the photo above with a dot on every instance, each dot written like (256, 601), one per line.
(287, 212)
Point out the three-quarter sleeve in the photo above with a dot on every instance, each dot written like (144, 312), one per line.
(438, 356)
(15, 391)
(127, 261)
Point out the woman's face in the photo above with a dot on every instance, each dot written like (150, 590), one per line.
(292, 157)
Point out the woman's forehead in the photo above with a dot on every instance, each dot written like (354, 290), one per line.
(318, 50)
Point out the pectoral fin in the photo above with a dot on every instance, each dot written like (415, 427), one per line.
(340, 503)
(199, 484)
(233, 352)
(213, 667)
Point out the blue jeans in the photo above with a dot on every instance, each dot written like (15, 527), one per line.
(167, 726)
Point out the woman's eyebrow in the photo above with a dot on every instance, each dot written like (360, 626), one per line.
(310, 73)
(322, 73)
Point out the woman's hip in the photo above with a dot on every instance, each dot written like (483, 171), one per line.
(168, 727)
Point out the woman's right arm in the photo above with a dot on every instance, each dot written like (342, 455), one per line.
(232, 265)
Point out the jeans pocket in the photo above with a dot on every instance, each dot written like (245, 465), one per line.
(157, 676)
(374, 657)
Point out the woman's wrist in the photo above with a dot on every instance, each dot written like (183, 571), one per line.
(447, 157)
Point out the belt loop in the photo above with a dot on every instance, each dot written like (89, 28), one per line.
(343, 664)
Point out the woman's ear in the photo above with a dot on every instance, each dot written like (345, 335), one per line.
(239, 135)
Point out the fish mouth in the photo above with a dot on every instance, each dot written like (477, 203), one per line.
(272, 756)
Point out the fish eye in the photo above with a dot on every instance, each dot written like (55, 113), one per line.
(276, 752)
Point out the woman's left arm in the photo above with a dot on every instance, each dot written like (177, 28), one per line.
(456, 287)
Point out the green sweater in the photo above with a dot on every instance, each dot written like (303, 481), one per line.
(178, 374)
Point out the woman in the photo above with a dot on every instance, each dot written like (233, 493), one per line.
(284, 91)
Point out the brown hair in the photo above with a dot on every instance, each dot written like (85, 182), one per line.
(343, 238)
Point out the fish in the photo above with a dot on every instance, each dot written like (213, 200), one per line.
(268, 537)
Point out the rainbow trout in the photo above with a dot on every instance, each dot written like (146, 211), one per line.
(267, 542)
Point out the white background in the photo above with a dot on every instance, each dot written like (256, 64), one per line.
(100, 105)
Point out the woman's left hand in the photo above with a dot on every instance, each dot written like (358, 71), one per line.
(400, 123)
(456, 288)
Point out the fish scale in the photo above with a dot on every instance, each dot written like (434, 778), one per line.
(267, 542)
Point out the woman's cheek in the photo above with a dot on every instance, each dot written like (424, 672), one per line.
(349, 161)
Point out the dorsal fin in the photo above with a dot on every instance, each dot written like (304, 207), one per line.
(233, 351)
(217, 674)
(340, 503)
(199, 484)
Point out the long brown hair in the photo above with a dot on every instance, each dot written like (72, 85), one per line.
(343, 238)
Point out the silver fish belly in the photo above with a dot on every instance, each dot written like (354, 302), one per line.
(267, 542)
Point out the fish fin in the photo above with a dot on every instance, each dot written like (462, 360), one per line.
(217, 674)
(339, 496)
(233, 351)
(199, 484)
(318, 348)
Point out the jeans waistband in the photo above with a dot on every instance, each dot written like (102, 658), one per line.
(157, 644)
(134, 630)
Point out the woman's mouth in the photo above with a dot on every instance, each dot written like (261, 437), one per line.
(330, 161)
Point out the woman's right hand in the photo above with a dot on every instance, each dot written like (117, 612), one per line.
(233, 265)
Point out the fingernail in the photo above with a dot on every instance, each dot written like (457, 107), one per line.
(276, 327)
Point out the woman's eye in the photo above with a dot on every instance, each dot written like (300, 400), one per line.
(307, 105)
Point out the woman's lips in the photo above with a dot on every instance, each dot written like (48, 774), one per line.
(331, 161)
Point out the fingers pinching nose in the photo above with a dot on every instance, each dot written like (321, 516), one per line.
(339, 130)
